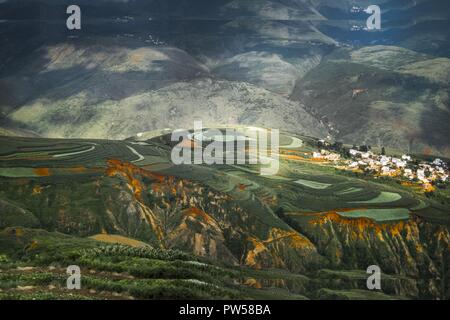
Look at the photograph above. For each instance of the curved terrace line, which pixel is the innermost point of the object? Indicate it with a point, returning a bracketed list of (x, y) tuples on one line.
[(140, 156), (74, 153)]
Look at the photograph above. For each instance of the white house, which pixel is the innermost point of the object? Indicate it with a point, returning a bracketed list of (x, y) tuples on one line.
[(399, 163), (438, 162), (385, 170), (406, 157), (385, 160), (408, 173), (353, 164)]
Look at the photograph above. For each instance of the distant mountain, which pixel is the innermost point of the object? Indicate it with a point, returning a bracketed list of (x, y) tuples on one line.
[(108, 91), (382, 96), (287, 53)]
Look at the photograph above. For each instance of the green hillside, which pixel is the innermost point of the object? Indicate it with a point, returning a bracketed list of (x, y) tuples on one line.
[(270, 236)]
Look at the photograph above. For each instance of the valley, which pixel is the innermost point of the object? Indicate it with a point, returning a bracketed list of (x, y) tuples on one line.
[(87, 176), (273, 233)]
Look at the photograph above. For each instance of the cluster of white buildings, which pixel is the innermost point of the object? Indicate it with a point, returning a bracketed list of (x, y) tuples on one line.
[(435, 171), (380, 163), (383, 165), (326, 155), (405, 166)]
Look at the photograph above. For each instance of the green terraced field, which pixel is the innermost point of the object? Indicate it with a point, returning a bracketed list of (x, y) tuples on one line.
[(304, 187), (378, 214), (349, 190), (384, 197), (71, 187), (313, 184)]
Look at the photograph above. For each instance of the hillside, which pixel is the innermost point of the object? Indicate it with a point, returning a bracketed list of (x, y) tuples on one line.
[(382, 96), (112, 92), (120, 272), (307, 220)]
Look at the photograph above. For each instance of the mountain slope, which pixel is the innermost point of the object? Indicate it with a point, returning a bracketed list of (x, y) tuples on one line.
[(382, 96), (388, 87), (87, 188), (175, 106)]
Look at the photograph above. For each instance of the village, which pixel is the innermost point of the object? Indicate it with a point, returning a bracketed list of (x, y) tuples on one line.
[(428, 174)]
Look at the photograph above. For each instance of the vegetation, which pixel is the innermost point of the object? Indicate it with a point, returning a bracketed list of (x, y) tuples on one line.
[(204, 232)]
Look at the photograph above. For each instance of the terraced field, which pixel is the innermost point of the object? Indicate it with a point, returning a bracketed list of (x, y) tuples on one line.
[(268, 235), (302, 182), (300, 186), (378, 214), (313, 184)]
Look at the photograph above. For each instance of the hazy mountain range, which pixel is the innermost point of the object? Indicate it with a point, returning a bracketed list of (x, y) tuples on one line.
[(290, 64)]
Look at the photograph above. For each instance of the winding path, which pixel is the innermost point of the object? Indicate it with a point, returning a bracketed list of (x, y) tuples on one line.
[(141, 157), (74, 153)]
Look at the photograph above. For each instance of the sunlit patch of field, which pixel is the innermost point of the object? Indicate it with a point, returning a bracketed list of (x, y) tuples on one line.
[(276, 177), (290, 142), (422, 205), (377, 214), (118, 239), (350, 190), (383, 197), (17, 172), (313, 184)]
